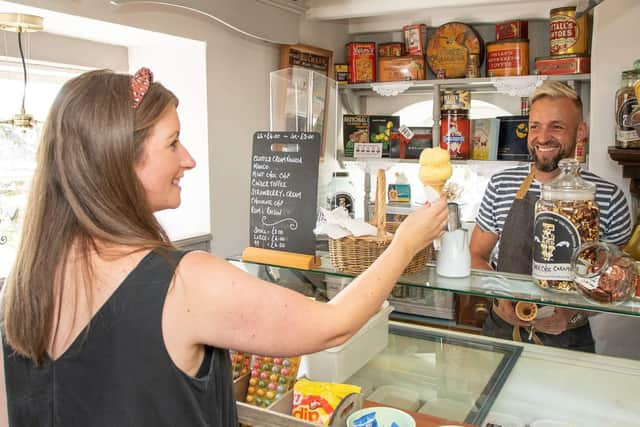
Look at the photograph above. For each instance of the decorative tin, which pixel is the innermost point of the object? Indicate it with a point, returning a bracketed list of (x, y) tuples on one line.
[(455, 99), (563, 64), (508, 58), (415, 39), (455, 133), (389, 49), (362, 62), (473, 66), (567, 34), (400, 68), (516, 29), (512, 138), (342, 73), (449, 47)]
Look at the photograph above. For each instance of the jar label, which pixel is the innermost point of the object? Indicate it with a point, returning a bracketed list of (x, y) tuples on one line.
[(555, 239), (588, 282)]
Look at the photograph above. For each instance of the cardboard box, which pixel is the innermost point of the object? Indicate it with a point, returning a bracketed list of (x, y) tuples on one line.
[(355, 129)]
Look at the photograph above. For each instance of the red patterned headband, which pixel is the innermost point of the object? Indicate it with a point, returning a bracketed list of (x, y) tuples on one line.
[(140, 83)]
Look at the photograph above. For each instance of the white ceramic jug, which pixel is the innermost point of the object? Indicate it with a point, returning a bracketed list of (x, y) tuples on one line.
[(454, 259)]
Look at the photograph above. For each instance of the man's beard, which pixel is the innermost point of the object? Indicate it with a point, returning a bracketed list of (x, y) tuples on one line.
[(546, 165)]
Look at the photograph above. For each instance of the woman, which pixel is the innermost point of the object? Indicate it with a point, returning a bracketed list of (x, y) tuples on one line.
[(104, 322)]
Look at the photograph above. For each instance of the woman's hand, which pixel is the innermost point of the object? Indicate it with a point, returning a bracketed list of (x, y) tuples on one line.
[(423, 226)]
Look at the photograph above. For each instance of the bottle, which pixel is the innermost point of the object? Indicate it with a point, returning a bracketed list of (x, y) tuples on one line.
[(340, 192), (566, 216), (626, 136)]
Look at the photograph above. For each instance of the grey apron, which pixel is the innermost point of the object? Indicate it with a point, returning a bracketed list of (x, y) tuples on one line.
[(514, 256)]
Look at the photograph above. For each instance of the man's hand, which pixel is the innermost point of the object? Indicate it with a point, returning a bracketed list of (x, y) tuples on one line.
[(506, 311), (557, 323)]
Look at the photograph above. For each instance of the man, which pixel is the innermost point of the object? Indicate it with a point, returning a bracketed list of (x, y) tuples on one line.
[(506, 215)]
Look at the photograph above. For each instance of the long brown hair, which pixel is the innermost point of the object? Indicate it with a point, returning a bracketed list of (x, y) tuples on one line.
[(84, 190)]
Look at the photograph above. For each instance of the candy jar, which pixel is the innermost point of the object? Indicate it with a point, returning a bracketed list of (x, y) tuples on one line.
[(604, 273), (566, 216)]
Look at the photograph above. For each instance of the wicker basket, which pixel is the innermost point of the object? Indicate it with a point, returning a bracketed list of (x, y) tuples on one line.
[(353, 254)]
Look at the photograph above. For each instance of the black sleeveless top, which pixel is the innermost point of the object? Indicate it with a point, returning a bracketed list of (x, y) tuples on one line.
[(118, 372)]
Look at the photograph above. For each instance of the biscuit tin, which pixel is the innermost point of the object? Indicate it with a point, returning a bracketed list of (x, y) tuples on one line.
[(390, 49), (400, 68), (415, 39), (567, 34), (515, 29), (449, 47), (362, 62), (508, 58), (563, 64)]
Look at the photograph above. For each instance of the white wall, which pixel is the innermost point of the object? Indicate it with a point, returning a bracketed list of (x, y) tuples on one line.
[(614, 48), (193, 216), (237, 90)]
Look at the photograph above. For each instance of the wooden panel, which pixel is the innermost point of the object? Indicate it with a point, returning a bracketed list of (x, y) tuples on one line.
[(471, 311)]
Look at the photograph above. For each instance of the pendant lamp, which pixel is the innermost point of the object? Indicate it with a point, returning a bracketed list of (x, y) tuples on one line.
[(21, 23)]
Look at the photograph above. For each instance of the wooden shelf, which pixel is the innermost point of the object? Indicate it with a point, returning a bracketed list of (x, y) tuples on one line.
[(629, 158)]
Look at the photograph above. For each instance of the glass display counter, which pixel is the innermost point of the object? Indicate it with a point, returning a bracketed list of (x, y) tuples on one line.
[(468, 379)]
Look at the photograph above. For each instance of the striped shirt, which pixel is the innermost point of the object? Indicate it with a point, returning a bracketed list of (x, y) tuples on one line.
[(615, 220)]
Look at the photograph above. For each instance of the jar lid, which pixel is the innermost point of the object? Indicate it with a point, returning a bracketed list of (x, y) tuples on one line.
[(569, 185), (631, 74)]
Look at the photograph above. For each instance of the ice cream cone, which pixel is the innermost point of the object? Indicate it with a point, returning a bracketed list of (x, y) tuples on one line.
[(438, 186)]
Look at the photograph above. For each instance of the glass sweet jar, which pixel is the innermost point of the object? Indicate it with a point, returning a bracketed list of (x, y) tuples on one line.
[(604, 274), (566, 217)]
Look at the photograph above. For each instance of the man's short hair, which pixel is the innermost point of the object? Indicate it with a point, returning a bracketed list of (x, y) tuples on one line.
[(557, 89)]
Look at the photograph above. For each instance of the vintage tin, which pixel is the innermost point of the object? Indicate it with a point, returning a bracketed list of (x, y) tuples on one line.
[(512, 138), (342, 73), (473, 66), (392, 68), (455, 99), (563, 64), (415, 39), (568, 35), (449, 47), (361, 57), (455, 133), (516, 29), (508, 58), (390, 49)]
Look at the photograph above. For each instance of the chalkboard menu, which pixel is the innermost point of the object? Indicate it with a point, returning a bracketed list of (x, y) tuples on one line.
[(284, 187)]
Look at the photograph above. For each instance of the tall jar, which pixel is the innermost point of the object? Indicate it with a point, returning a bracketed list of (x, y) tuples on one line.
[(566, 216), (626, 136)]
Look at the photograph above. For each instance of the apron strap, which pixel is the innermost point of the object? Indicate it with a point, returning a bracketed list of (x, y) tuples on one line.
[(524, 188), (515, 335)]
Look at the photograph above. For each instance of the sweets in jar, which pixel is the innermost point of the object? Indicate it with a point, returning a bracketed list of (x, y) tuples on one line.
[(604, 274), (566, 216), (271, 377)]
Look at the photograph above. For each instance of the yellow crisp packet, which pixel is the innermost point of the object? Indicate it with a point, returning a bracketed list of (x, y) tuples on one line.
[(316, 401)]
